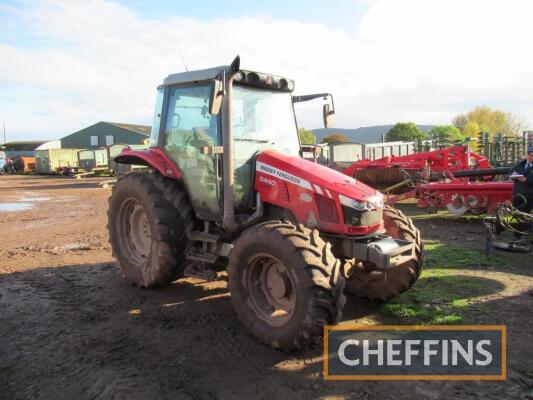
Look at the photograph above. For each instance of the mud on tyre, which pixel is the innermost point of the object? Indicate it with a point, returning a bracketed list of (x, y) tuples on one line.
[(148, 220), (364, 280), (285, 284)]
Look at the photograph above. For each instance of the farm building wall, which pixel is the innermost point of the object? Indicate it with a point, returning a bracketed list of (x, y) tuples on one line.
[(100, 135)]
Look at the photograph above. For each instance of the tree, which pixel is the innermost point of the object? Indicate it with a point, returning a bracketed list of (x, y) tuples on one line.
[(460, 122), (335, 137), (445, 134), (306, 137), (471, 129), (404, 131), (489, 120)]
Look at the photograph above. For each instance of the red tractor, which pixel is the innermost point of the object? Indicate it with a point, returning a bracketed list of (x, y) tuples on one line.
[(227, 188)]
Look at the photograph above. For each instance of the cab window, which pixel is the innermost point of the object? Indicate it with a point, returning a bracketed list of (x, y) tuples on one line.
[(189, 129)]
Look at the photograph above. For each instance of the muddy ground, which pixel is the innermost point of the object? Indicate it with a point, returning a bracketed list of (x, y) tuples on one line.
[(72, 328)]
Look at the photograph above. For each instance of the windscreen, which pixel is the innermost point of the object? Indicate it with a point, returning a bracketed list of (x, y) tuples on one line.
[(265, 119), (261, 120)]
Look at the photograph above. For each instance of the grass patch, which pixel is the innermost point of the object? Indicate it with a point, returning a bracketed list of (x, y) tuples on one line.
[(441, 296), (445, 215), (449, 256)]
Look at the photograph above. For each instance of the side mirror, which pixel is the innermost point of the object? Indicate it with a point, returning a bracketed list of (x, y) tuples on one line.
[(215, 97), (329, 116)]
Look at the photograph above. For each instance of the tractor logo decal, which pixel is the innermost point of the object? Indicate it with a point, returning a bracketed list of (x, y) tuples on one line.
[(306, 197), (267, 181), (269, 170)]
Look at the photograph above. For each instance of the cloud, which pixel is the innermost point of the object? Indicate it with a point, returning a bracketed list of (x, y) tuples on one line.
[(417, 60)]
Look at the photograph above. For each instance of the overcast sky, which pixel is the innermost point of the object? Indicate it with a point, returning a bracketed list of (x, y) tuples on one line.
[(66, 64)]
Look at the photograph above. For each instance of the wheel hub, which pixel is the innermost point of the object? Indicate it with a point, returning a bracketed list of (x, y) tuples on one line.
[(140, 234), (278, 283), (271, 290), (136, 234)]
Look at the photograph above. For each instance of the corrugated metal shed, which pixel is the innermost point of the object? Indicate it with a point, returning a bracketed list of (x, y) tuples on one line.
[(103, 134), (373, 151), (350, 152), (345, 152)]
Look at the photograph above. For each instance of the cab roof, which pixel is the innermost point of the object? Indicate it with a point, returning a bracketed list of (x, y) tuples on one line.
[(194, 76), (242, 77)]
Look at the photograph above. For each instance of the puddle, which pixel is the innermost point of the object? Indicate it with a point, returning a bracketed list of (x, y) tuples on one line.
[(35, 199), (8, 207), (65, 198)]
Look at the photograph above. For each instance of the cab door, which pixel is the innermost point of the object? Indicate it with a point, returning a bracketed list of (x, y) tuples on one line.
[(188, 129)]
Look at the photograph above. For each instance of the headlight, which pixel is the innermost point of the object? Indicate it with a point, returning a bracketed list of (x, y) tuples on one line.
[(362, 213), (361, 205)]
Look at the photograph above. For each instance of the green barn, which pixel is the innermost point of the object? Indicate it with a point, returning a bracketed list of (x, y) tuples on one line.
[(103, 134)]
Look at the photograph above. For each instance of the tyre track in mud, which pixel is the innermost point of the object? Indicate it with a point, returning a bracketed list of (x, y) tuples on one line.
[(210, 335), (83, 337), (61, 347)]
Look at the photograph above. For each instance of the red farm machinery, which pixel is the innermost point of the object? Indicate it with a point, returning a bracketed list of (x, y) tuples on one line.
[(227, 188), (454, 178)]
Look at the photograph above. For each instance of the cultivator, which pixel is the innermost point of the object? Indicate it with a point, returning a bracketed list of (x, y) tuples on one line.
[(460, 196), (427, 166), (454, 178)]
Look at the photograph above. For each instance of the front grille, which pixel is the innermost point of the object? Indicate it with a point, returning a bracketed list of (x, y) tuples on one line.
[(327, 210), (284, 193), (362, 217)]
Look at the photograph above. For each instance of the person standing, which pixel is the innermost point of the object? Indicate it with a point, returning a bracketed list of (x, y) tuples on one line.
[(522, 174), (9, 166)]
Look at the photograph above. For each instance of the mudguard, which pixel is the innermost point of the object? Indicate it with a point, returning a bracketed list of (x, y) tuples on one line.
[(152, 157)]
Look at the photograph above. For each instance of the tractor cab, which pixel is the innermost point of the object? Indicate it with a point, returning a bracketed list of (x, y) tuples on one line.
[(200, 115)]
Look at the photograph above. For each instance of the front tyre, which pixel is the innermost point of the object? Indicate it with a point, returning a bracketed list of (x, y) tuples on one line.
[(285, 284), (364, 280)]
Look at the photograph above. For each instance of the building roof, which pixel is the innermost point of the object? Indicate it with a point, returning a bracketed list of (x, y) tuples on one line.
[(51, 144), (142, 129), (28, 145)]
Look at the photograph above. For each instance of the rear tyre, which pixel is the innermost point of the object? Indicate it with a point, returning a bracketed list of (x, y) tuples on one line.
[(364, 280), (285, 284), (148, 220)]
